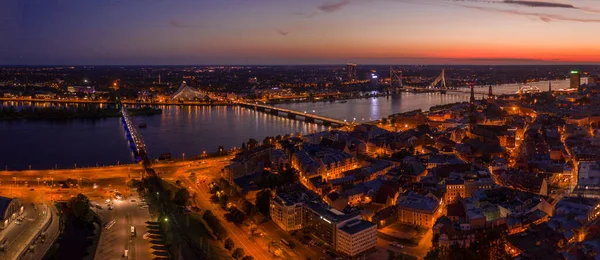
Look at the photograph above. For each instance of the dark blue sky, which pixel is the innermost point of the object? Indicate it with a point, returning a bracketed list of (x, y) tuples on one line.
[(132, 32)]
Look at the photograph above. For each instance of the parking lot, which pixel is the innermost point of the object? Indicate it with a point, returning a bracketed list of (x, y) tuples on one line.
[(118, 238)]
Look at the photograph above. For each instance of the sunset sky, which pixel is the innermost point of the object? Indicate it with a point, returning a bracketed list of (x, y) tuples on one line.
[(165, 32)]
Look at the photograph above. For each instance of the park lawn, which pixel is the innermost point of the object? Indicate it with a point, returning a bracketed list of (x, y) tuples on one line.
[(408, 228), (198, 232), (404, 241), (402, 233)]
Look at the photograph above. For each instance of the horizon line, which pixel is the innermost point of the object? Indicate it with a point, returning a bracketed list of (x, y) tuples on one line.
[(279, 65)]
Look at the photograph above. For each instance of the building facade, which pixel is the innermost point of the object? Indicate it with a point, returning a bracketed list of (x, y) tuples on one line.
[(575, 79), (418, 210), (345, 232), (454, 190), (356, 236), (10, 209), (286, 212), (351, 72)]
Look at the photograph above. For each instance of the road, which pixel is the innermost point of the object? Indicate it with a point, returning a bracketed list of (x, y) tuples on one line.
[(300, 251), (88, 176), (254, 246), (51, 235), (115, 240), (237, 234), (18, 236)]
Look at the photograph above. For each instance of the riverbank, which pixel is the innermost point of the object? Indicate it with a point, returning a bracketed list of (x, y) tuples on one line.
[(109, 102), (62, 113)]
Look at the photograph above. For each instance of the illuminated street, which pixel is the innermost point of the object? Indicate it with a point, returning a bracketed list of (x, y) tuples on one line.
[(117, 238), (18, 236)]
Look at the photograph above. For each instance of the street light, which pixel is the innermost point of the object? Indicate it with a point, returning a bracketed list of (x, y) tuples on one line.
[(38, 179), (183, 156)]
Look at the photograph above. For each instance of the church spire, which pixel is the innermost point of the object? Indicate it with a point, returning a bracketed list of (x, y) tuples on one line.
[(550, 86), (472, 100), (490, 93), (472, 110)]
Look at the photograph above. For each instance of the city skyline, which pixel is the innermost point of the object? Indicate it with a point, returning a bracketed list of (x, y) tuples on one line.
[(298, 32)]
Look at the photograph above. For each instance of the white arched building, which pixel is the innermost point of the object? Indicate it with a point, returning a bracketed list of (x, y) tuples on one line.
[(186, 92), (10, 209)]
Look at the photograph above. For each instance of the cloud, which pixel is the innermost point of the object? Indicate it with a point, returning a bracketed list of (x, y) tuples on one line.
[(540, 16), (538, 4), (546, 17), (282, 33), (332, 7), (324, 8), (305, 15), (177, 24), (529, 3), (589, 10)]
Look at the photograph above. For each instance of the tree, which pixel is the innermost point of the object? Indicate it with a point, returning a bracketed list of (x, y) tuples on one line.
[(252, 143), (434, 254), (263, 201), (253, 229), (193, 177), (391, 255), (218, 230), (133, 183), (278, 252), (259, 218), (182, 196), (268, 140), (214, 189), (79, 206), (289, 174), (223, 199), (178, 182), (229, 244), (248, 257), (238, 253)]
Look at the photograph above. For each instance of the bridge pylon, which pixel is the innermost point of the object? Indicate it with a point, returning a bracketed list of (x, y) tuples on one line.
[(440, 78), (395, 79)]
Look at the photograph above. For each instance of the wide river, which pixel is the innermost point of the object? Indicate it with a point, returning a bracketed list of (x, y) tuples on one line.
[(191, 130)]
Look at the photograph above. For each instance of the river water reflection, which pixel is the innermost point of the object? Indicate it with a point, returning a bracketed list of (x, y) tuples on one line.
[(188, 130)]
